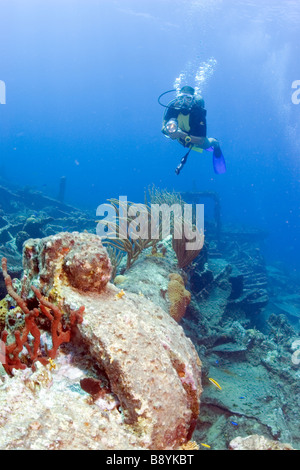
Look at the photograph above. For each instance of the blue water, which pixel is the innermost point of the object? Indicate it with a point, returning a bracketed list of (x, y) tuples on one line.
[(82, 79)]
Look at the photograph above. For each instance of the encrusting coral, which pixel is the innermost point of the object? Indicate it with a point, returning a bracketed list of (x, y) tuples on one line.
[(256, 442), (144, 355), (178, 295), (13, 359)]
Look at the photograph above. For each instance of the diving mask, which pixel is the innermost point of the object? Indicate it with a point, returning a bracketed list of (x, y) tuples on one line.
[(185, 101)]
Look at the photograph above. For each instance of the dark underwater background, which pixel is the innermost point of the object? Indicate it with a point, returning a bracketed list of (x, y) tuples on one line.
[(82, 80)]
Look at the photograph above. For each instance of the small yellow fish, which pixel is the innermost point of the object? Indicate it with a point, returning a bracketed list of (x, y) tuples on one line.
[(205, 445), (215, 383), (52, 364), (120, 294)]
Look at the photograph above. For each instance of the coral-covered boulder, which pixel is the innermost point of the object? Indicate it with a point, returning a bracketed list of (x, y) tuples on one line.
[(256, 442), (152, 367), (79, 257)]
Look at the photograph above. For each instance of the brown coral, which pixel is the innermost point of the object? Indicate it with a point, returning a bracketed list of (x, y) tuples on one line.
[(78, 259), (87, 264), (178, 295)]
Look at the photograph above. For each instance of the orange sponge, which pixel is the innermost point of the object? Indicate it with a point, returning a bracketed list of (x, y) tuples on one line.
[(178, 295)]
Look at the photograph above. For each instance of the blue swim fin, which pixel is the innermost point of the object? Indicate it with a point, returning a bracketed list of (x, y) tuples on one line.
[(219, 164)]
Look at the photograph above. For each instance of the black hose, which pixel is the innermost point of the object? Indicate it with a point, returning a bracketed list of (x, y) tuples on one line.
[(160, 96), (182, 162)]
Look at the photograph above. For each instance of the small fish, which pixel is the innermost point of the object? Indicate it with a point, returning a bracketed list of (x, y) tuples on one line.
[(215, 383), (52, 364), (11, 307), (234, 423), (120, 294), (205, 445)]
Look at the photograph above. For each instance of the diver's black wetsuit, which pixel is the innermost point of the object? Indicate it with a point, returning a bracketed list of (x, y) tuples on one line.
[(197, 117)]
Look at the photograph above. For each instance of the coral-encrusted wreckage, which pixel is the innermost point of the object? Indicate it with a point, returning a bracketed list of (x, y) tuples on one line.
[(92, 367), (93, 355)]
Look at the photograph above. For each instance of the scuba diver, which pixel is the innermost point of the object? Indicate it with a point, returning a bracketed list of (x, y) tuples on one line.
[(185, 121)]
